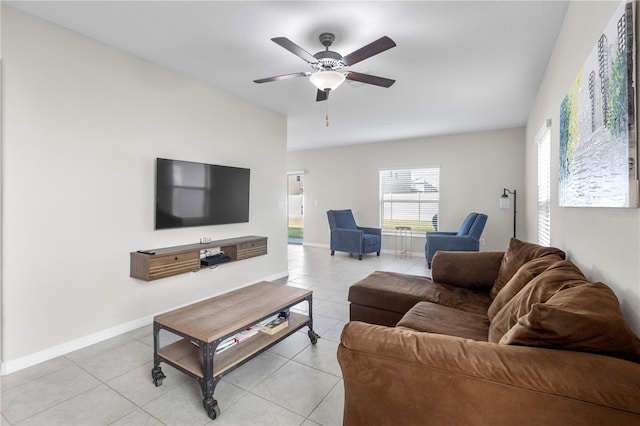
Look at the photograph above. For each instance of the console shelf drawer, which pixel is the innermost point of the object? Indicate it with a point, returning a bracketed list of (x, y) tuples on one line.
[(252, 249)]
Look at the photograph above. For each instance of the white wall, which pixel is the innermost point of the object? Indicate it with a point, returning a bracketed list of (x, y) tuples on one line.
[(474, 168), (83, 124), (604, 243)]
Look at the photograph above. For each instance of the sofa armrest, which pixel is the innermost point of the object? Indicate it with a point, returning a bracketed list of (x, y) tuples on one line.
[(398, 376), (473, 270)]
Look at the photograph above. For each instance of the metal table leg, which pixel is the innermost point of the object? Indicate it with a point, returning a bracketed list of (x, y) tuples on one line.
[(313, 336), (208, 383)]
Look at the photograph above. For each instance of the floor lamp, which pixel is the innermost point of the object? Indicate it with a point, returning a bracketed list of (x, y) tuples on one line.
[(504, 205)]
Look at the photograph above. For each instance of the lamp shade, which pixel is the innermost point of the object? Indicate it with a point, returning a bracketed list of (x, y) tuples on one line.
[(327, 80), (504, 202)]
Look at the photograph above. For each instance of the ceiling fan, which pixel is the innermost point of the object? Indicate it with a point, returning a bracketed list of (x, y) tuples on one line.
[(330, 68)]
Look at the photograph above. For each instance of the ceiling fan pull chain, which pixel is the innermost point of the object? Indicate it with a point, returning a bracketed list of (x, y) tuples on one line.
[(326, 116)]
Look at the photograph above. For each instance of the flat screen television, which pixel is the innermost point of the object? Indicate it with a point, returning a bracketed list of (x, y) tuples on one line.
[(198, 194)]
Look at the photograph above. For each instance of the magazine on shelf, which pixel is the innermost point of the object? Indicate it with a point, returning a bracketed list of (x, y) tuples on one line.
[(267, 321), (226, 344)]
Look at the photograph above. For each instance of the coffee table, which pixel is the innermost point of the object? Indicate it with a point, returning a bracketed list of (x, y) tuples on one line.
[(203, 325)]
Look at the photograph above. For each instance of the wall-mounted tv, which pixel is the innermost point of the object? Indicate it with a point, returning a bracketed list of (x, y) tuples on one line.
[(198, 194)]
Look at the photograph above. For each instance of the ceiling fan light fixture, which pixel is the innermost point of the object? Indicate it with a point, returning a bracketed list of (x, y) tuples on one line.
[(327, 80)]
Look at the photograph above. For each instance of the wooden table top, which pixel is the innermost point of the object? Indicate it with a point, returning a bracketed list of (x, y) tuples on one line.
[(222, 315)]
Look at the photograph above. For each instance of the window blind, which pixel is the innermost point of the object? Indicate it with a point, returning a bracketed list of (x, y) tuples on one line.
[(409, 197), (544, 186)]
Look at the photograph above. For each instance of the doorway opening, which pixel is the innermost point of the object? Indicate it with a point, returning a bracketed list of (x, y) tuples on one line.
[(296, 208)]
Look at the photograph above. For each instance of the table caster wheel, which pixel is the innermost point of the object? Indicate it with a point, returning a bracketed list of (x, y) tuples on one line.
[(157, 375), (313, 336), (211, 407)]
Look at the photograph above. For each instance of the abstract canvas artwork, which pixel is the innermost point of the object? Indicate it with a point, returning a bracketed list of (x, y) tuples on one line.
[(598, 145)]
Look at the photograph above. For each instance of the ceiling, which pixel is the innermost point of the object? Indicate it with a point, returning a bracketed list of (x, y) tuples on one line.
[(459, 66)]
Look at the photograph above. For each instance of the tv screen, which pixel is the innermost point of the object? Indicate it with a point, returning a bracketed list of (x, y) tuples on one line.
[(198, 194)]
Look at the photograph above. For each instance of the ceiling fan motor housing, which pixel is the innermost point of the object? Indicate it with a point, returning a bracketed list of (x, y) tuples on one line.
[(328, 61)]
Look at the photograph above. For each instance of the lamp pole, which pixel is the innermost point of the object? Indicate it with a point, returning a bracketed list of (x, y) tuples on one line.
[(505, 196)]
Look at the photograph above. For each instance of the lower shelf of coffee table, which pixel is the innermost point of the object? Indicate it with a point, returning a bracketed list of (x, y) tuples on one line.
[(188, 356)]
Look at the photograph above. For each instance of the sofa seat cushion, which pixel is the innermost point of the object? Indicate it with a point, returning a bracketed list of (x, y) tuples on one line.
[(397, 292), (518, 253), (433, 318), (586, 318), (562, 275)]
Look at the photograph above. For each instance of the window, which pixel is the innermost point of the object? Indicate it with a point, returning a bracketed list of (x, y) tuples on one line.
[(409, 197), (544, 185)]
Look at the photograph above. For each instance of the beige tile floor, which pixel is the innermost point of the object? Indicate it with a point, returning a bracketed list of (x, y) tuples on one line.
[(293, 383)]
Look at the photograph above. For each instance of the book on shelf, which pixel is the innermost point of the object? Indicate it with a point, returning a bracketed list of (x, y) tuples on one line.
[(275, 325), (246, 333)]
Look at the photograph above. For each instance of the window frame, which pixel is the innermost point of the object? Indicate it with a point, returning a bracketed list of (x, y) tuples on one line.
[(431, 198)]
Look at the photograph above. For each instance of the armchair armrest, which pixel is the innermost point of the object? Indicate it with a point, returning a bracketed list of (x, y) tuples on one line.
[(440, 241), (473, 270), (371, 231), (429, 234), (349, 240), (445, 242), (398, 376)]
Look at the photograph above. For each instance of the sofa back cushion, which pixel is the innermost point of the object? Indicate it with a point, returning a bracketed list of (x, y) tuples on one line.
[(518, 253), (585, 318), (526, 273), (475, 270), (561, 275)]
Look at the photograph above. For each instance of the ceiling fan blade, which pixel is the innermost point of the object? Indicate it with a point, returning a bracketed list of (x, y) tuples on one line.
[(370, 79), (373, 48), (295, 49), (322, 96), (281, 77)]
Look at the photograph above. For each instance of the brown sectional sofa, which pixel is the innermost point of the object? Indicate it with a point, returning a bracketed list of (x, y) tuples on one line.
[(494, 338)]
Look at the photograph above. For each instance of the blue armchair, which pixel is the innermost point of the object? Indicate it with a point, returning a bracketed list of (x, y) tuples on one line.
[(348, 237), (466, 239)]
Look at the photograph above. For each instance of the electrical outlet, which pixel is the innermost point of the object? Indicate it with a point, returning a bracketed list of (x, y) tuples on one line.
[(483, 242)]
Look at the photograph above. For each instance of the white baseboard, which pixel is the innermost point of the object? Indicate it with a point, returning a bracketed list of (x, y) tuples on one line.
[(316, 245), (12, 366), (385, 251)]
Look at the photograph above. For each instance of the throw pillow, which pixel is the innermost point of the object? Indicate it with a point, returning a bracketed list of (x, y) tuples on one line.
[(583, 318), (561, 275), (518, 253), (526, 273)]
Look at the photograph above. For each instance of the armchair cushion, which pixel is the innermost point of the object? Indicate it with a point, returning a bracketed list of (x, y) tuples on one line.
[(344, 219), (466, 225)]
